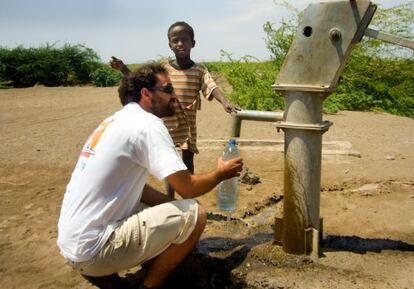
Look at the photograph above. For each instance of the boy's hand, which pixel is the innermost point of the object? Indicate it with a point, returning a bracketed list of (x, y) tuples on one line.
[(230, 108), (230, 168), (227, 105), (116, 63)]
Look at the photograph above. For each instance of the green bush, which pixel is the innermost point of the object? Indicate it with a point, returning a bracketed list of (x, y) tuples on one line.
[(18, 66), (251, 81), (3, 52), (82, 60), (376, 77), (47, 68), (377, 84), (47, 65), (106, 76)]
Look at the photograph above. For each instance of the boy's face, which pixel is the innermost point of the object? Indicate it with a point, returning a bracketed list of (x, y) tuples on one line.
[(180, 42)]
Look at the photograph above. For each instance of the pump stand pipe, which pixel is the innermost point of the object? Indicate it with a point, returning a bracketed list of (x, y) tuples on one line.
[(303, 130), (269, 116), (310, 72)]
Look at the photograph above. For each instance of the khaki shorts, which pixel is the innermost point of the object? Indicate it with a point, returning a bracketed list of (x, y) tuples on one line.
[(143, 236)]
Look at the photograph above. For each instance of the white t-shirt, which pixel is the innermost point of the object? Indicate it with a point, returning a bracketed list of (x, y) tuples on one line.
[(107, 182)]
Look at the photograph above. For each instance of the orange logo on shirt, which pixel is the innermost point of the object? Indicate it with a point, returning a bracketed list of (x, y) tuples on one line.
[(94, 138)]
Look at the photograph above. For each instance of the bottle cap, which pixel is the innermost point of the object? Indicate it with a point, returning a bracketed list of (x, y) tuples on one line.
[(232, 142)]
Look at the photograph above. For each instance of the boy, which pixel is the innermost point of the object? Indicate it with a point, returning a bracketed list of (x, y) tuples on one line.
[(188, 79)]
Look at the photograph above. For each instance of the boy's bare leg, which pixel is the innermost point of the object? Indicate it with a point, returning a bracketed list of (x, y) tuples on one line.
[(188, 159), (170, 189), (162, 266)]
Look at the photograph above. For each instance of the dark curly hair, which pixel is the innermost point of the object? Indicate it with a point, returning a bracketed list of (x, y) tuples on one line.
[(182, 24), (144, 76)]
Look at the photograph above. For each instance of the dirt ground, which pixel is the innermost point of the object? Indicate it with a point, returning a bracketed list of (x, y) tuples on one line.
[(367, 198)]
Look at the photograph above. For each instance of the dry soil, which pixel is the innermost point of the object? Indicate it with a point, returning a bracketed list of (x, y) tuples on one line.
[(367, 197)]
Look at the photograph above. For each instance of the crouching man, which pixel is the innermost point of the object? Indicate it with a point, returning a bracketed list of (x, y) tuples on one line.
[(104, 226)]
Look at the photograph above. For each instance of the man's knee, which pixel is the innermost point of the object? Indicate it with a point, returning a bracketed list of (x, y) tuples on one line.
[(201, 218)]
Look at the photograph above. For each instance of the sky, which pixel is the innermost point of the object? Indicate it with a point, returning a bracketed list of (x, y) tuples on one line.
[(136, 30)]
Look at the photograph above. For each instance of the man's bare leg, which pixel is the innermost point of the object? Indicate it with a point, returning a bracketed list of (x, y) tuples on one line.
[(162, 266)]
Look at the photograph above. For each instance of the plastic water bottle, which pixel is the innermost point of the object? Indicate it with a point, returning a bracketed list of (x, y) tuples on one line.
[(227, 192)]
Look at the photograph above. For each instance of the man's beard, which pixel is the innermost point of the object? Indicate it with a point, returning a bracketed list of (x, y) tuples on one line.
[(163, 111)]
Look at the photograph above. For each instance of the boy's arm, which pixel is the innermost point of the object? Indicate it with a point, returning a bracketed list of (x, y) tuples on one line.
[(227, 105), (118, 64)]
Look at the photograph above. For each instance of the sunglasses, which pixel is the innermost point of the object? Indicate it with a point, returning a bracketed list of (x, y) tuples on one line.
[(167, 89)]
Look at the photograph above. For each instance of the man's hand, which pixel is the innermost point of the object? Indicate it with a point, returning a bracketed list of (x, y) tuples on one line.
[(191, 186), (230, 168)]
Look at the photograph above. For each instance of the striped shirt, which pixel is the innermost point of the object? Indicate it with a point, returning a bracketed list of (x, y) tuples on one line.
[(188, 85)]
